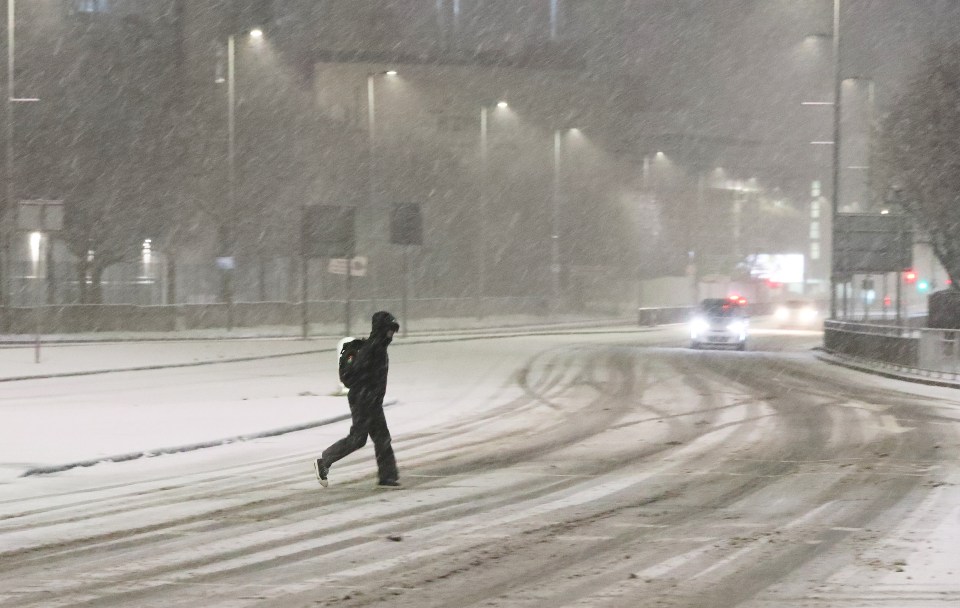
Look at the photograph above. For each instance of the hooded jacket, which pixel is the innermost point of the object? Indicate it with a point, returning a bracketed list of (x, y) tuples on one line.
[(372, 358)]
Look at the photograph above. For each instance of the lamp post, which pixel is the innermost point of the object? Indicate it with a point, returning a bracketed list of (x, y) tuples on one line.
[(226, 246), (8, 206), (372, 148), (482, 215), (555, 224), (481, 232), (8, 158), (556, 266), (225, 259), (834, 195)]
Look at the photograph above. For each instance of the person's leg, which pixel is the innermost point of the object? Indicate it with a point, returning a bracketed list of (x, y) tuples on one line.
[(382, 444), (355, 439)]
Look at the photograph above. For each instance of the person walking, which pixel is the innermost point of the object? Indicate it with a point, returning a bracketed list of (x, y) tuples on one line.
[(366, 406)]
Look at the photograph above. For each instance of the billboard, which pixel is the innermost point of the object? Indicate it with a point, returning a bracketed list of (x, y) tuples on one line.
[(777, 267)]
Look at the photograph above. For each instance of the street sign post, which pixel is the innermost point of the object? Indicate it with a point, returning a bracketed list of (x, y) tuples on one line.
[(327, 231), (41, 215), (357, 267), (869, 243)]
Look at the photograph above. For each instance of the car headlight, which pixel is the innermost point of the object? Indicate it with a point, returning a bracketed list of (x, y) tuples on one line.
[(781, 314), (699, 325)]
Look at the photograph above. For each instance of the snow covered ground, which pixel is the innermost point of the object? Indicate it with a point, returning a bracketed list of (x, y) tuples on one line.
[(64, 425), (605, 467)]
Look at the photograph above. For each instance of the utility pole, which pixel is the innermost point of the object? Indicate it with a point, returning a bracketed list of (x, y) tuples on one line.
[(835, 195)]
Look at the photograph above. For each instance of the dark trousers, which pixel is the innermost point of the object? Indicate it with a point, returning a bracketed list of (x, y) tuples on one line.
[(366, 412)]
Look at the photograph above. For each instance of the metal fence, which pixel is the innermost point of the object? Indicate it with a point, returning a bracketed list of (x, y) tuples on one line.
[(74, 318)]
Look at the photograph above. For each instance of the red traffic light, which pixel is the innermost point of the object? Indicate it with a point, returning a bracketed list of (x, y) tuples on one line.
[(910, 276)]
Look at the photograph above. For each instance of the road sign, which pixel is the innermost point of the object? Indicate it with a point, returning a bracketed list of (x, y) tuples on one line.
[(872, 243), (40, 216), (406, 224), (358, 266), (327, 231)]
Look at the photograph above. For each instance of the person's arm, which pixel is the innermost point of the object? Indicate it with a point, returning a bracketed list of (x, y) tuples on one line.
[(373, 350)]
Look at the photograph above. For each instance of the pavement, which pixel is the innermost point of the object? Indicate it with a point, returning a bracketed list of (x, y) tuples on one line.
[(24, 357), (54, 427)]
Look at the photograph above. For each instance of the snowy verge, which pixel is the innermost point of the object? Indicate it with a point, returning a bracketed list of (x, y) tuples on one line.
[(43, 470), (878, 369)]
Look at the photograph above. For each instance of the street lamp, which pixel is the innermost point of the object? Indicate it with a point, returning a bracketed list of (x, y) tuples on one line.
[(555, 264), (834, 195), (225, 259), (372, 142), (481, 228), (835, 161), (9, 202)]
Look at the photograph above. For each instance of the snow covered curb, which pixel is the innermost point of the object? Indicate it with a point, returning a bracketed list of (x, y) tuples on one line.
[(142, 368), (426, 338), (872, 367), (188, 448)]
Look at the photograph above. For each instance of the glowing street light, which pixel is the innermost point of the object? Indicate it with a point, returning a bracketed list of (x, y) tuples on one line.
[(482, 215), (555, 261), (226, 263)]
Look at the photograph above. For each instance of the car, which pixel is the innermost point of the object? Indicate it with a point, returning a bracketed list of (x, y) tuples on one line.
[(720, 322), (797, 314)]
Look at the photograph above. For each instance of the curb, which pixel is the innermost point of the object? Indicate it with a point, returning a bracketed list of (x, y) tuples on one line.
[(189, 447), (834, 359), (425, 339)]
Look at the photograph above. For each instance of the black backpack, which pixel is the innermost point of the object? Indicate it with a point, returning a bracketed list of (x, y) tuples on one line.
[(349, 373)]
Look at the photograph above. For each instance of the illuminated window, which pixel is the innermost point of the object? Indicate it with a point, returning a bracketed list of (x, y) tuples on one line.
[(815, 251), (814, 230), (91, 6), (815, 209)]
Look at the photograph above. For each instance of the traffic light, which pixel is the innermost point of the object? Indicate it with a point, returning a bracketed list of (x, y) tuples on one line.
[(923, 285), (910, 276)]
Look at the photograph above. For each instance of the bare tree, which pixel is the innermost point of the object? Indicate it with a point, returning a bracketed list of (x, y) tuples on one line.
[(919, 154)]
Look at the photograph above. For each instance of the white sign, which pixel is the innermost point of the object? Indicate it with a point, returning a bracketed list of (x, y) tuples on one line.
[(777, 267), (358, 266), (40, 216)]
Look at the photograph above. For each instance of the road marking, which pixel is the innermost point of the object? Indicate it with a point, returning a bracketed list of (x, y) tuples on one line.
[(673, 563), (889, 424), (755, 543), (386, 564)]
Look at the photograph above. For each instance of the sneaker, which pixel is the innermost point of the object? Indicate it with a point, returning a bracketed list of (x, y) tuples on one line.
[(389, 483), (321, 470)]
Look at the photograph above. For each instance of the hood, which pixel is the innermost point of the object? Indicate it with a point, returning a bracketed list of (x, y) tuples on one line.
[(383, 322)]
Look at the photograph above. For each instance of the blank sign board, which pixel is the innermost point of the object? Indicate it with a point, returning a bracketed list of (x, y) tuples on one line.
[(40, 216), (872, 243)]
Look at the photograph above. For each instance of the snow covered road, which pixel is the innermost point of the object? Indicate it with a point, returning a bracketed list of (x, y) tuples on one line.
[(606, 468)]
